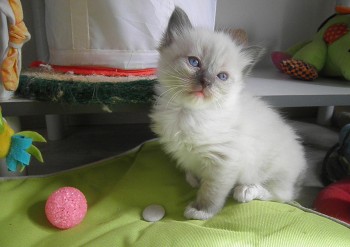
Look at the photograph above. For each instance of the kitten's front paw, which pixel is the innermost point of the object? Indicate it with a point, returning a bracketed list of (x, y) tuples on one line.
[(192, 212), (247, 193)]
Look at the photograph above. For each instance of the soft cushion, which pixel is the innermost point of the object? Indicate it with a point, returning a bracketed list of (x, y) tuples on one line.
[(334, 200), (120, 188)]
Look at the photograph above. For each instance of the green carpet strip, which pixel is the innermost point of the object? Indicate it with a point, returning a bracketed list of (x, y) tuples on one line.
[(75, 92)]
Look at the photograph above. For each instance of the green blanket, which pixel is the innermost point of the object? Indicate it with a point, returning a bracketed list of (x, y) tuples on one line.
[(117, 191)]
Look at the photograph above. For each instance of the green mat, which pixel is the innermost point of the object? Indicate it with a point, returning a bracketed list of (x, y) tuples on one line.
[(75, 89), (118, 189)]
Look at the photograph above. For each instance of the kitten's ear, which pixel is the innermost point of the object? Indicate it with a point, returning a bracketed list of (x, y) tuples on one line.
[(239, 36), (252, 54), (178, 22)]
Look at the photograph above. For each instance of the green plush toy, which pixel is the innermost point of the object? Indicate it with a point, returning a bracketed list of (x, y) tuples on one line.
[(327, 54)]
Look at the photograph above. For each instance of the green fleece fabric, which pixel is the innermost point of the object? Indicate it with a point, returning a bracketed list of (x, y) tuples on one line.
[(117, 191), (72, 92)]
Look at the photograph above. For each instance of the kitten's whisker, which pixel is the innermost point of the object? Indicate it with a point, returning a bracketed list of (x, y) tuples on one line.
[(171, 88), (165, 92), (173, 68), (184, 79), (172, 81), (168, 91), (173, 97)]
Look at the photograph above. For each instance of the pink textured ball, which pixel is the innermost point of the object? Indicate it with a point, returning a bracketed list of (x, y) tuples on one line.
[(66, 207)]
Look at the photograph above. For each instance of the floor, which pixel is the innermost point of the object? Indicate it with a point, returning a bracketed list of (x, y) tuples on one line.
[(86, 144)]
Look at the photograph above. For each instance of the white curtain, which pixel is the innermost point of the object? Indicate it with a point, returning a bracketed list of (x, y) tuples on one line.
[(115, 33)]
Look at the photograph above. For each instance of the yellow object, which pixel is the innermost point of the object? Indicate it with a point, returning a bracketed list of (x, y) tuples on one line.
[(5, 138), (18, 35)]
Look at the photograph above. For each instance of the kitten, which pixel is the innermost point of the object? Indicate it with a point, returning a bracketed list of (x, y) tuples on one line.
[(224, 139)]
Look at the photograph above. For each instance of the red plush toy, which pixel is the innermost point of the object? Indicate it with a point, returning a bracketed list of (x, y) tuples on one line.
[(334, 200)]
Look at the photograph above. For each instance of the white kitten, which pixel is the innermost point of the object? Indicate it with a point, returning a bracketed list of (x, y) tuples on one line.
[(222, 137)]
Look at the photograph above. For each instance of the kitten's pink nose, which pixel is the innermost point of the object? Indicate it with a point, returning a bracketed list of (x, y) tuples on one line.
[(199, 94), (198, 90), (198, 87)]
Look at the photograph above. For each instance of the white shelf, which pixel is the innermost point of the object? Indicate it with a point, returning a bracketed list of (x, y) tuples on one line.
[(282, 91), (274, 87)]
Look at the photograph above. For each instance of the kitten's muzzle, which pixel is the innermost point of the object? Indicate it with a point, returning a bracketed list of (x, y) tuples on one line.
[(205, 83), (203, 80)]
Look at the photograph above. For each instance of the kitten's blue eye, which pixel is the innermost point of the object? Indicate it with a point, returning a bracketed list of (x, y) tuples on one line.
[(223, 76), (194, 61)]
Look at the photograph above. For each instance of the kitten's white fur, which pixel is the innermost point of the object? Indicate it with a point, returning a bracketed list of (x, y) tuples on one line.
[(223, 138)]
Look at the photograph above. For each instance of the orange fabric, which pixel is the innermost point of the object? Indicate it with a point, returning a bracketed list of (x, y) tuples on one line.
[(18, 34), (89, 70), (17, 9), (9, 71), (342, 10)]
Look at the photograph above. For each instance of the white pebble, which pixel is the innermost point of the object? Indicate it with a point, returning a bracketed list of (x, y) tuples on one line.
[(153, 213)]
